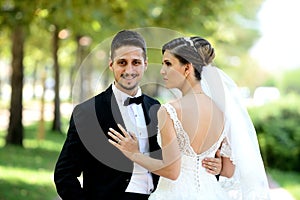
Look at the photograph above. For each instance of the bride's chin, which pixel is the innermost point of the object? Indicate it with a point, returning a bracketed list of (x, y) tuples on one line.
[(170, 86)]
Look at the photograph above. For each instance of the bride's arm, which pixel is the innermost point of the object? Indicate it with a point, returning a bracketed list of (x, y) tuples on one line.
[(228, 167), (169, 166)]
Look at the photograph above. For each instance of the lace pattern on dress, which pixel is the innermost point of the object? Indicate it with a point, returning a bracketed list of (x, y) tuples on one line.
[(182, 138), (225, 148)]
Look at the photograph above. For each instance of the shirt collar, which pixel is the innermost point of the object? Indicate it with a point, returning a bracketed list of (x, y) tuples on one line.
[(122, 96)]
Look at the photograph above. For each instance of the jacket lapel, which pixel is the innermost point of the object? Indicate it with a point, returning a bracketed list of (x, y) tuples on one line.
[(107, 110)]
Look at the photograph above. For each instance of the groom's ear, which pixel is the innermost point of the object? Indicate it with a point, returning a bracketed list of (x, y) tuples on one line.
[(110, 63), (146, 63)]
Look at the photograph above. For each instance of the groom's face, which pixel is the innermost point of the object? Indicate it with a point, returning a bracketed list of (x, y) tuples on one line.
[(128, 67)]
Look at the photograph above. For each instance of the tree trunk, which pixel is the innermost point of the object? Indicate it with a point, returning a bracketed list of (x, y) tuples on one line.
[(41, 128), (0, 88), (56, 121), (15, 128), (76, 67), (34, 79), (84, 89)]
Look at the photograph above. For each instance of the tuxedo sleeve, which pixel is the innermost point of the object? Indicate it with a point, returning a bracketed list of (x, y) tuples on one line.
[(69, 166)]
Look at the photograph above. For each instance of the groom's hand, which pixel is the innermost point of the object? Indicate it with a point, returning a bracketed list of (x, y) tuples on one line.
[(213, 165)]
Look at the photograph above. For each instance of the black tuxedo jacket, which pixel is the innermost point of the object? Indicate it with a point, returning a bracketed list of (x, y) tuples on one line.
[(106, 171)]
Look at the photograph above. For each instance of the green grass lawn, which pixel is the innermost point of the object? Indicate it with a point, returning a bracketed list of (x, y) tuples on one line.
[(27, 173)]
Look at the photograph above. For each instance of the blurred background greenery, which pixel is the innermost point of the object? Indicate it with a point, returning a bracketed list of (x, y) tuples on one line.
[(53, 55)]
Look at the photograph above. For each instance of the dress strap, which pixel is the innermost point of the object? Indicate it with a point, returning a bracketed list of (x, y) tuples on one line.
[(171, 111), (173, 115)]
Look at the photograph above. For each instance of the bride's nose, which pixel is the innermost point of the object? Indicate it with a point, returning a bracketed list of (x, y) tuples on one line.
[(162, 71)]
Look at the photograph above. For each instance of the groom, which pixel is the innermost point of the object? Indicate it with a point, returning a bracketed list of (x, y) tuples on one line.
[(107, 173)]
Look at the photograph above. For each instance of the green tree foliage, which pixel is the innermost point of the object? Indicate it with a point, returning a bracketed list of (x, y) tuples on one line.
[(229, 25), (278, 130), (290, 82)]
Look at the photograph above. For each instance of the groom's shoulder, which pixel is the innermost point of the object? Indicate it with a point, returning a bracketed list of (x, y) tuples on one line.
[(90, 103)]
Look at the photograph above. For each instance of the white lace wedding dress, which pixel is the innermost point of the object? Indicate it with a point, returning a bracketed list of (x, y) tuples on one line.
[(193, 183)]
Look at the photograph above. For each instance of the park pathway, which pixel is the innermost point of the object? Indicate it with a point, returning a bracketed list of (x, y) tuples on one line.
[(278, 193)]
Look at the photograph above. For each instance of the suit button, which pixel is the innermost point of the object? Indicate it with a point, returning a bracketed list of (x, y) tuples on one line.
[(127, 180)]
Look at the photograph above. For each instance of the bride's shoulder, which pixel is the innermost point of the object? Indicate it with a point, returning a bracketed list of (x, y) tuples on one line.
[(172, 103), (169, 108), (162, 115)]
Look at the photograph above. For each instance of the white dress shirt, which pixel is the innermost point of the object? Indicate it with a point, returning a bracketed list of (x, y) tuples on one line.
[(133, 116)]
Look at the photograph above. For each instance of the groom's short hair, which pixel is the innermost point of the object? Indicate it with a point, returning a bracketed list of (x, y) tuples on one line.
[(127, 38)]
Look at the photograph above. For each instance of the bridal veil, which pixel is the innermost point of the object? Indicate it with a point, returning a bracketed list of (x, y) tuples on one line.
[(249, 180)]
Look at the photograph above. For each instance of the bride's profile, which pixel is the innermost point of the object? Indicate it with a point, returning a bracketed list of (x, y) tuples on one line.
[(208, 116)]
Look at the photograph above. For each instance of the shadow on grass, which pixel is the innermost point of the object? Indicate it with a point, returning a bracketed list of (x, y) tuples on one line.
[(16, 190)]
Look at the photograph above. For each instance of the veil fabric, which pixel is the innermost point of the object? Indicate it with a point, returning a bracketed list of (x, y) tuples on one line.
[(249, 180)]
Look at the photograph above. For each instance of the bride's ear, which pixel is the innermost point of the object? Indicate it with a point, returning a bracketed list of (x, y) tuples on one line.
[(187, 69)]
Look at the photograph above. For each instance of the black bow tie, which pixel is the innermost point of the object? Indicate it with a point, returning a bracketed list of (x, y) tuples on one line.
[(136, 100)]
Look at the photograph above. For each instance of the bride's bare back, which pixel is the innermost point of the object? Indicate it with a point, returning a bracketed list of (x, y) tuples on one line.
[(201, 119)]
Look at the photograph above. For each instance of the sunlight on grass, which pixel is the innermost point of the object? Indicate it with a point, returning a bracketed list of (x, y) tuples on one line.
[(31, 176), (44, 144)]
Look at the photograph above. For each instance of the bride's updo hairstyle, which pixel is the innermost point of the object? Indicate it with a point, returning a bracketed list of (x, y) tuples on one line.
[(195, 50)]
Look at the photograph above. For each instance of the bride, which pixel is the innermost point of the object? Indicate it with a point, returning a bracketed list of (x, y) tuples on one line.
[(208, 115)]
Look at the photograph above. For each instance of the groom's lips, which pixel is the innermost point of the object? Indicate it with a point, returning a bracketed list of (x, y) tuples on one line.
[(129, 77)]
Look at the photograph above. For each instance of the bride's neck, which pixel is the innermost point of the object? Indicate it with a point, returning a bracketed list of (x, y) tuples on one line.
[(192, 89)]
